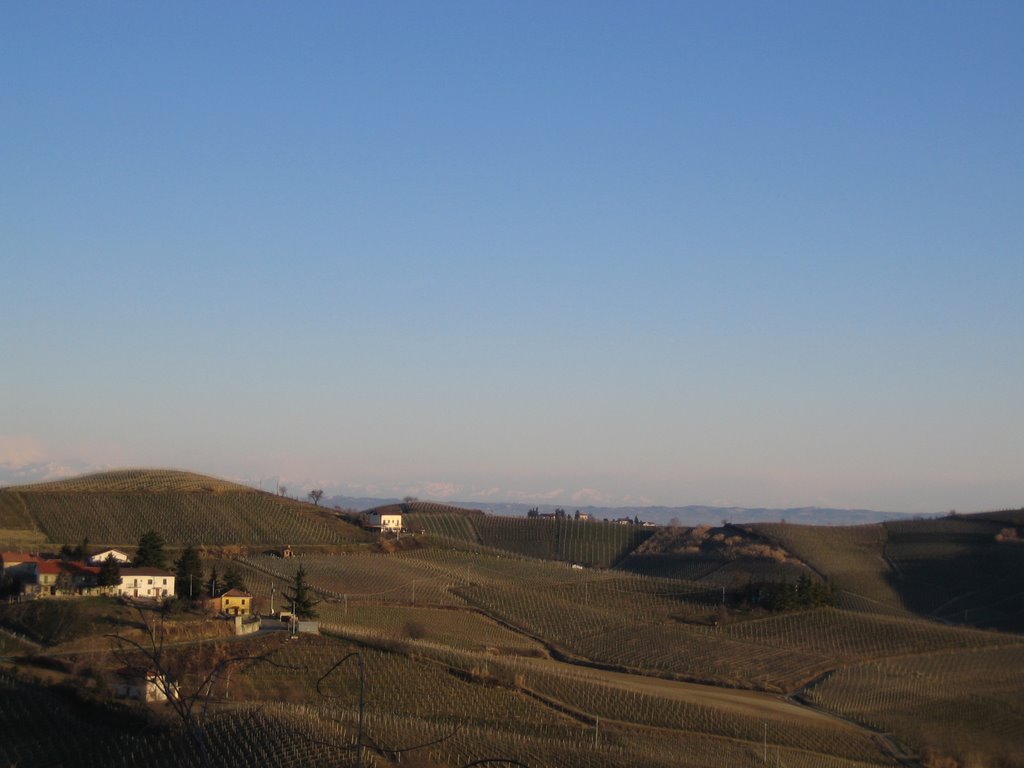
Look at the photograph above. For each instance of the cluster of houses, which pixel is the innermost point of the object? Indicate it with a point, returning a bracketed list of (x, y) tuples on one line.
[(35, 576), (38, 576)]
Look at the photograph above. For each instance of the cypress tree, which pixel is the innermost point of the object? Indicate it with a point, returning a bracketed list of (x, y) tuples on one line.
[(150, 552), (188, 572), (233, 579), (110, 573), (301, 596)]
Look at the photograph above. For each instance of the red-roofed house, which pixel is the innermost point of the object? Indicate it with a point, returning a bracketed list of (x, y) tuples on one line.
[(42, 577), (64, 577), (18, 564), (18, 570)]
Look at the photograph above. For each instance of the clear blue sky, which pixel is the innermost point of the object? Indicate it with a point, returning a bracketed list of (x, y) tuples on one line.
[(763, 254)]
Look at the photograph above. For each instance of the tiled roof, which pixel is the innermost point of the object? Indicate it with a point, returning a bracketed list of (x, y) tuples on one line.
[(145, 572), (18, 557), (235, 593), (68, 566)]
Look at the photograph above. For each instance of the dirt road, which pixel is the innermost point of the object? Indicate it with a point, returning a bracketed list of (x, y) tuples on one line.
[(752, 703)]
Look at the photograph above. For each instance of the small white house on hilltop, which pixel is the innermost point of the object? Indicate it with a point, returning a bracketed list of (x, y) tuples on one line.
[(385, 521)]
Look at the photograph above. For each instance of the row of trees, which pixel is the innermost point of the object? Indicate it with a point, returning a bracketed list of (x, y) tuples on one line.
[(189, 577), (804, 593), (315, 495), (561, 514)]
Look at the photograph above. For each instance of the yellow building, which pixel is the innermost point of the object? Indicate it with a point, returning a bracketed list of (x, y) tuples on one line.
[(235, 602)]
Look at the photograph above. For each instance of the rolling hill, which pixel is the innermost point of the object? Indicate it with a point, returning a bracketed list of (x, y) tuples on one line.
[(115, 508)]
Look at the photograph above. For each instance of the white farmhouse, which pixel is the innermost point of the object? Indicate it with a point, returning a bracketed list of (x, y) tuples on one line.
[(154, 583), (384, 521)]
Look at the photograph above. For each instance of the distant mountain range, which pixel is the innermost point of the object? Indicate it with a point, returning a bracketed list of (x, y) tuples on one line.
[(689, 515)]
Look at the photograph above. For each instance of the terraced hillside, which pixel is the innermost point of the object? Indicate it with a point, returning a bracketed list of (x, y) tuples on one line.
[(115, 508)]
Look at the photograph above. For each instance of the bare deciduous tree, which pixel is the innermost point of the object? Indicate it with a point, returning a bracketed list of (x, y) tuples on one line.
[(190, 703)]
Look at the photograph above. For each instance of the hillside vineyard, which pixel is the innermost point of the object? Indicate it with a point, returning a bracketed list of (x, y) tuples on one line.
[(463, 636)]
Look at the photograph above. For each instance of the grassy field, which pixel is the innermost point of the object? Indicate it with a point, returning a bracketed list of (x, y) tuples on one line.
[(12, 643)]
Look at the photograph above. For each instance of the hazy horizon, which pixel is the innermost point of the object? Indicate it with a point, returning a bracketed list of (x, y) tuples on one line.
[(573, 253), (42, 472)]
